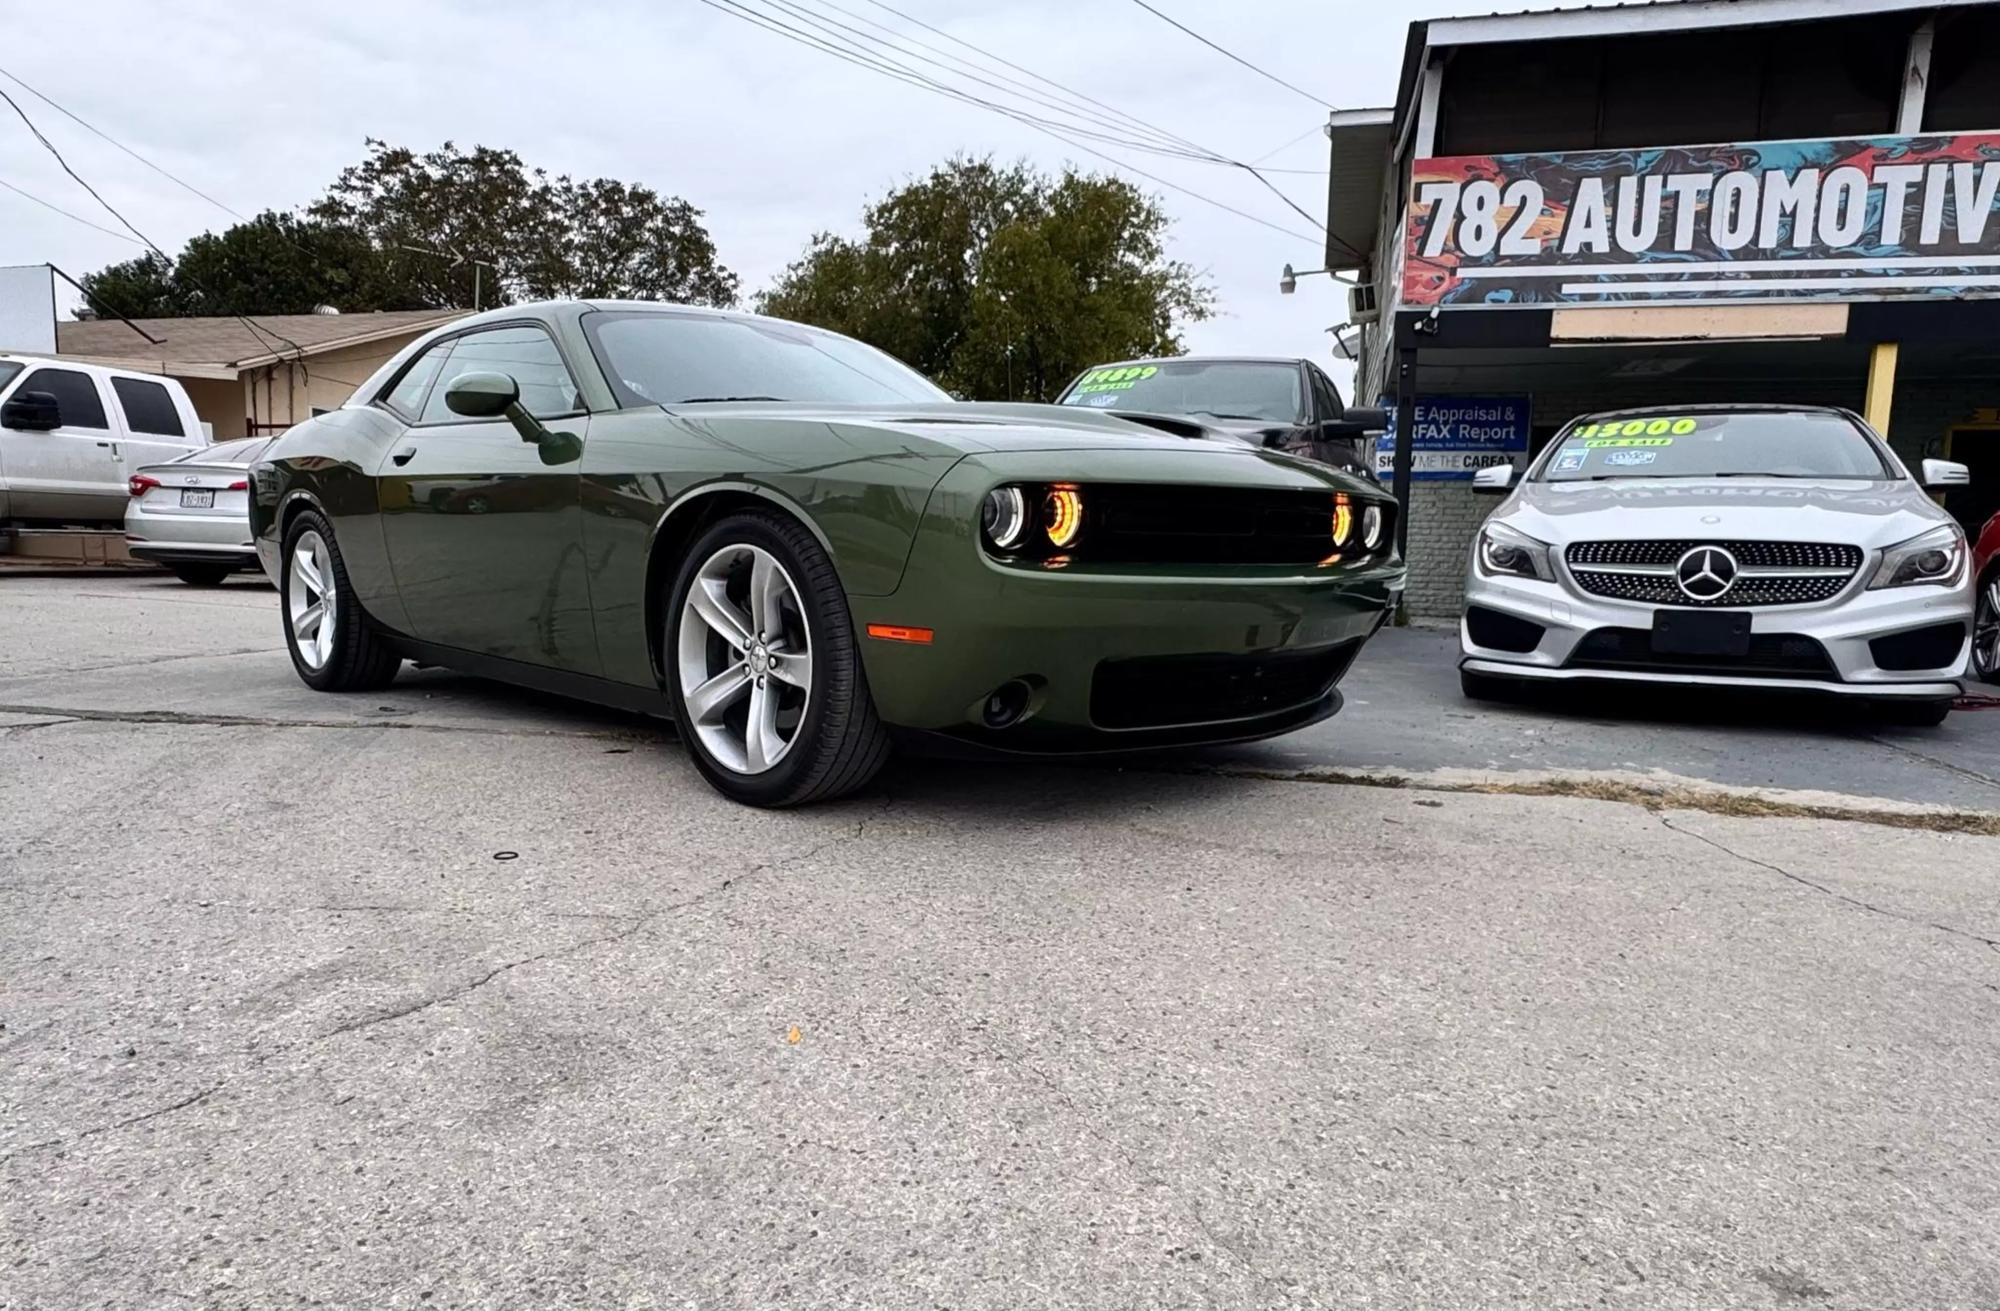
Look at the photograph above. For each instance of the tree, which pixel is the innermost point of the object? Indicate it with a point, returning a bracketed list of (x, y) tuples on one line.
[(406, 231), (141, 288), (540, 237), (1001, 282)]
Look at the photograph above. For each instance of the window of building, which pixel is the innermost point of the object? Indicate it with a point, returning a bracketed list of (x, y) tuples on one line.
[(1964, 90), (1840, 78), (75, 393), (149, 407)]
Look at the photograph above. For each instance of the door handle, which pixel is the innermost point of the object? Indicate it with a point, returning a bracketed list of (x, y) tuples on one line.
[(403, 457)]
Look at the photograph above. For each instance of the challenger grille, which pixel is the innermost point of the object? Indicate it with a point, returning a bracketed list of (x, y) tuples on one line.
[(1215, 525), (1771, 573)]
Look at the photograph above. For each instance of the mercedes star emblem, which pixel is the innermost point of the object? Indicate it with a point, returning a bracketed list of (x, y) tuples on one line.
[(1706, 572)]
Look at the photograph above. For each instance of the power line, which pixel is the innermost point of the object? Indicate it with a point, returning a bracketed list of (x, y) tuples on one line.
[(1211, 156), (766, 21), (1273, 77), (1314, 130), (834, 43), (66, 214), (1072, 102), (264, 334), (99, 132)]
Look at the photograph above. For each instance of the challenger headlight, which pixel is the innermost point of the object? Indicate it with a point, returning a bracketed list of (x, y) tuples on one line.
[(1371, 527), (1003, 517), (1936, 556), (1509, 551)]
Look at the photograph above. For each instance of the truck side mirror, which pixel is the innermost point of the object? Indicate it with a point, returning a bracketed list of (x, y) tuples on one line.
[(1366, 418), (31, 411)]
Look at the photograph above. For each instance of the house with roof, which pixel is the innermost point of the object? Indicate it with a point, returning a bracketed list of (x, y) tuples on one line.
[(254, 374)]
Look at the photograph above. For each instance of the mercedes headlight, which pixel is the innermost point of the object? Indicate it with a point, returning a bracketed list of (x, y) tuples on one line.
[(1937, 556), (1509, 551)]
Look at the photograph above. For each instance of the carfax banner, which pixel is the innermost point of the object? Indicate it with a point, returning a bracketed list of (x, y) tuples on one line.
[(1455, 436), (1863, 219)]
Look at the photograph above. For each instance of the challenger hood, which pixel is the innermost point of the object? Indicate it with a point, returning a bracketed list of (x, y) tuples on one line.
[(1865, 513), (973, 427)]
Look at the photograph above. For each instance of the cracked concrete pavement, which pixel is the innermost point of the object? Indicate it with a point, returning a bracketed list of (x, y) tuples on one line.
[(278, 1024)]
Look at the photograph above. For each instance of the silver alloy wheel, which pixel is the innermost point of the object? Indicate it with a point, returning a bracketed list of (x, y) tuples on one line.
[(1986, 631), (744, 658), (309, 599)]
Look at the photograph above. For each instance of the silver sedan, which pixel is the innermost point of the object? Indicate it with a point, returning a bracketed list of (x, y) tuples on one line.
[(193, 514)]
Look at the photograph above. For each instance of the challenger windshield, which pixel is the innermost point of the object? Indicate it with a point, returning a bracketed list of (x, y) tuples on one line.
[(673, 359), (1714, 444), (1216, 389)]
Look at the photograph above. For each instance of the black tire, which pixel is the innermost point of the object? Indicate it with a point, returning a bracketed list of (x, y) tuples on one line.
[(360, 661), (1920, 714), (840, 744), (1486, 687), (202, 575), (1986, 630)]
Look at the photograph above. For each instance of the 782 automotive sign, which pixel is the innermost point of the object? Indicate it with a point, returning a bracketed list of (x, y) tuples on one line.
[(1854, 219)]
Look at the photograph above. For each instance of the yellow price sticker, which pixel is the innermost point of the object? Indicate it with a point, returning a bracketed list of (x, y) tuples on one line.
[(1679, 426)]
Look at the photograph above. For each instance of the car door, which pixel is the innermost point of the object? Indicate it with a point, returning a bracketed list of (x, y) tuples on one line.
[(71, 473), (154, 432), (482, 527)]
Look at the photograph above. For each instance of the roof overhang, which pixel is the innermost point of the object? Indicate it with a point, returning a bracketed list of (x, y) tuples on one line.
[(1669, 16), (1357, 168), (341, 343), (165, 368)]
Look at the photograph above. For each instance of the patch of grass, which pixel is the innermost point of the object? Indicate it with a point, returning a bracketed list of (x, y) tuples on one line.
[(1715, 801)]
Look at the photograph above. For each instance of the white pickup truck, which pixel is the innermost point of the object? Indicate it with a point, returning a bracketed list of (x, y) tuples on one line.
[(71, 434)]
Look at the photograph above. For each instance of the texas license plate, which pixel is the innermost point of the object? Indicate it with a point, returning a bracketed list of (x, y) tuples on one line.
[(194, 500), (1701, 632)]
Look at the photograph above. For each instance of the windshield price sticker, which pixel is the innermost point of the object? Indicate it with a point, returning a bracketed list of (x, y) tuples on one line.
[(1626, 459), (1679, 427), (1605, 443), (1121, 379)]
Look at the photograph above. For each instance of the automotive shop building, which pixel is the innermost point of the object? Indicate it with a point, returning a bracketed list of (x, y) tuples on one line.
[(1672, 203)]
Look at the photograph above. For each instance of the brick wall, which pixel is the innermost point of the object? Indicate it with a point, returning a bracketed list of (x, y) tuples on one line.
[(1444, 516)]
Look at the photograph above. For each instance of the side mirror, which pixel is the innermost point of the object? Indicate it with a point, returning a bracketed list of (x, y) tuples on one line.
[(1946, 473), (1493, 480), (481, 395), (31, 411), (1365, 418)]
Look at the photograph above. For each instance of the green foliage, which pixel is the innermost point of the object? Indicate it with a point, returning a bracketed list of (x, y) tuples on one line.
[(1001, 283), (406, 231)]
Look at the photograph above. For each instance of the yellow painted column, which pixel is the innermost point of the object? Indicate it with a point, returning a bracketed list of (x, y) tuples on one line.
[(1881, 386)]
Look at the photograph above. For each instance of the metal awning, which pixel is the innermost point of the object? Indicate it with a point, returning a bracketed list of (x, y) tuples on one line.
[(1357, 171)]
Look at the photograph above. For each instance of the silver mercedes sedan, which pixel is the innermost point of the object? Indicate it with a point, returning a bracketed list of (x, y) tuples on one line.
[(1777, 547)]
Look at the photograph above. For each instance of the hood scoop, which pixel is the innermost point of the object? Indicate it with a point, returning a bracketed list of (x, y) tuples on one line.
[(1166, 423)]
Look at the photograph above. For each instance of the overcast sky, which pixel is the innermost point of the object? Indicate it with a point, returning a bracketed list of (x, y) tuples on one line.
[(260, 107)]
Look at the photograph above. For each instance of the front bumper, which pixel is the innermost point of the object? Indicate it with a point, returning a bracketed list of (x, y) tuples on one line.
[(1844, 628), (1117, 658)]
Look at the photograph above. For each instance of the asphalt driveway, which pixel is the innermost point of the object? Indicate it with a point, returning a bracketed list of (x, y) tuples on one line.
[(451, 996)]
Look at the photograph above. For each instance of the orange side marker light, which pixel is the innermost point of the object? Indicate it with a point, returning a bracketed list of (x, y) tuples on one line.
[(900, 633)]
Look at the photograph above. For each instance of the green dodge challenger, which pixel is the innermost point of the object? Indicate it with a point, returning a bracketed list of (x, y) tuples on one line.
[(801, 551)]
